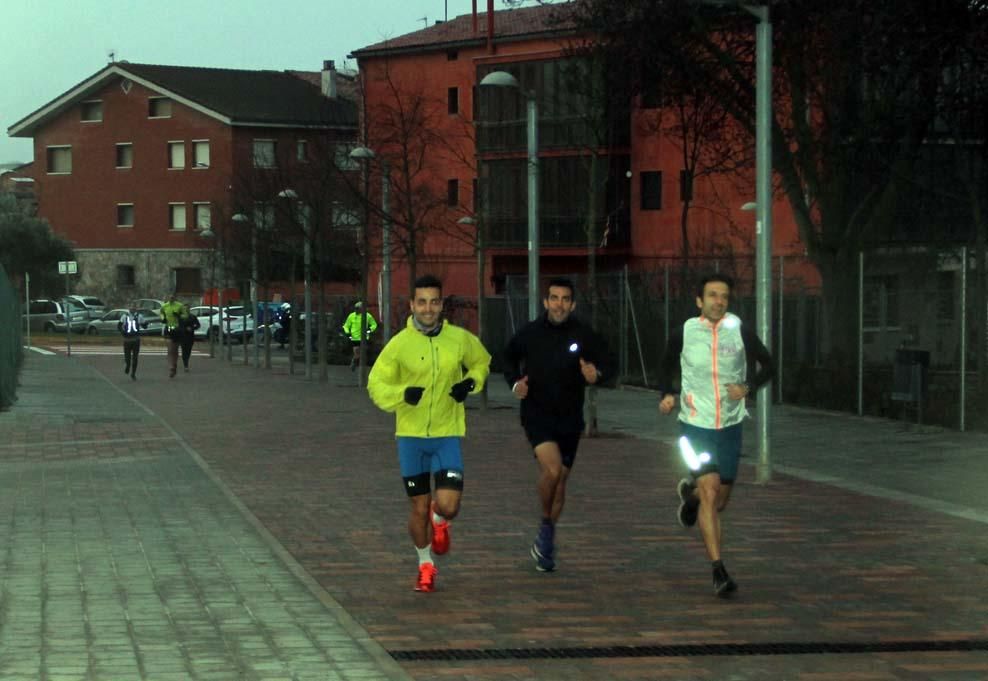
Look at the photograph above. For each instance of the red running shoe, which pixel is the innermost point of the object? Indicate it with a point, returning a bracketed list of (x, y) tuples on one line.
[(440, 534), (427, 578)]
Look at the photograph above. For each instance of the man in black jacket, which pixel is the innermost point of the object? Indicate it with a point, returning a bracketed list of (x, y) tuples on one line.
[(130, 325), (549, 362)]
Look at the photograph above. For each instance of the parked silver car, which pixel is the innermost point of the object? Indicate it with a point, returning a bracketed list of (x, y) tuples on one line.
[(49, 316), (151, 323), (92, 304)]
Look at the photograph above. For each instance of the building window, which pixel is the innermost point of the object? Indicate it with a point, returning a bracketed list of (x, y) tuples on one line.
[(159, 107), (263, 215), (176, 155), (341, 158), (187, 280), (264, 154), (125, 215), (176, 216), (302, 151), (452, 192), (200, 153), (881, 302), (946, 299), (651, 190), (91, 111), (203, 214), (59, 159), (125, 275), (125, 155), (685, 186), (345, 217), (453, 100)]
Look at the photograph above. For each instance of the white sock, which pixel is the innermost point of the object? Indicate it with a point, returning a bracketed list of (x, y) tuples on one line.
[(425, 554), (437, 519)]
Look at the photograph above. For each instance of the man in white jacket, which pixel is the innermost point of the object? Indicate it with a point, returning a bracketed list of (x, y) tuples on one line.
[(715, 356)]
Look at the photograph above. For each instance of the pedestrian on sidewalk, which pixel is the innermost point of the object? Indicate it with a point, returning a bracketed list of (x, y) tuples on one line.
[(130, 326), (172, 313), (187, 335), (720, 362), (548, 364), (420, 376), (351, 328)]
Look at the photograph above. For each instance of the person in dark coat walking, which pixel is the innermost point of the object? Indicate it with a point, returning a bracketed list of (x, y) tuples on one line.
[(130, 326), (187, 336)]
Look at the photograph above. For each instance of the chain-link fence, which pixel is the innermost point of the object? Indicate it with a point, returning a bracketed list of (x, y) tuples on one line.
[(11, 347), (913, 320)]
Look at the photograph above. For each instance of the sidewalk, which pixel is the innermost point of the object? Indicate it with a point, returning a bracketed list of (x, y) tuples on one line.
[(852, 579), (123, 558)]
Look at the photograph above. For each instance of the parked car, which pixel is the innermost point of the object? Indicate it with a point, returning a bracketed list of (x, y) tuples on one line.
[(45, 314), (236, 322), (106, 325), (208, 316), (152, 304), (94, 305)]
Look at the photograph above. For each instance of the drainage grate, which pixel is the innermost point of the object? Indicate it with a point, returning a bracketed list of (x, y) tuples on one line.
[(690, 650)]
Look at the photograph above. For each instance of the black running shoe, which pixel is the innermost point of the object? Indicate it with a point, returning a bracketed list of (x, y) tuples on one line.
[(685, 490), (686, 514), (724, 586)]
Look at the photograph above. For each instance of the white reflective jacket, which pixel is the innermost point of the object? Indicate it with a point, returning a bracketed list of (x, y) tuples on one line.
[(713, 356)]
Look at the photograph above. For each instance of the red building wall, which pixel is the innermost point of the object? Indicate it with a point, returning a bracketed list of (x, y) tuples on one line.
[(83, 205)]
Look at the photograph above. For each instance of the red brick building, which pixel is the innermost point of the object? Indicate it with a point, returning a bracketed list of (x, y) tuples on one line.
[(477, 162), (132, 163)]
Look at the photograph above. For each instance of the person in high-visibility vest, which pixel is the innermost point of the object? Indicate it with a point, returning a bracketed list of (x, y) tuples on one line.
[(173, 313), (351, 327)]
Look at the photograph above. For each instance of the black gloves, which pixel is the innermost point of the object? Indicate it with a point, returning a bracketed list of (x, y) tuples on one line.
[(413, 394), (460, 390)]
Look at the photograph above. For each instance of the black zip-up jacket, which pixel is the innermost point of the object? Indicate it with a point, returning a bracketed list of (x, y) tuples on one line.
[(550, 355)]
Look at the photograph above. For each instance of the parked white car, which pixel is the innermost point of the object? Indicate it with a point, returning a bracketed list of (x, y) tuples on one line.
[(95, 306)]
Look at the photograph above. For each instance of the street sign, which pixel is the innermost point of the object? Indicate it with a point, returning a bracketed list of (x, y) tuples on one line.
[(68, 267)]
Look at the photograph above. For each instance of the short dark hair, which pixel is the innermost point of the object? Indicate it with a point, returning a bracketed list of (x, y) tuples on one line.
[(427, 281), (714, 276), (562, 282)]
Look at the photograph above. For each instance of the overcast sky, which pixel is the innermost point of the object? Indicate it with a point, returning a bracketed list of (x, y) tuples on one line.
[(48, 46)]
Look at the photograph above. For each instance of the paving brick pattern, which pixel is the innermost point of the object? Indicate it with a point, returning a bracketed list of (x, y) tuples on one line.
[(315, 463)]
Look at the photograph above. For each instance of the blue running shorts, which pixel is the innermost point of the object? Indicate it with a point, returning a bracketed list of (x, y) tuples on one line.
[(723, 445)]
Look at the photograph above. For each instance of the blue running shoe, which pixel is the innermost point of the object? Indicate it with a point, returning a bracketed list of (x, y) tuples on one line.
[(543, 563)]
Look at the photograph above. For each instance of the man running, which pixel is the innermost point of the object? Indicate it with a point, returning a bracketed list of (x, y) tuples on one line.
[(423, 375), (548, 363), (715, 356)]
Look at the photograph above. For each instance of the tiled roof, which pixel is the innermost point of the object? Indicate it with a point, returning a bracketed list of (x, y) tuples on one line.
[(252, 96), (239, 97), (509, 23)]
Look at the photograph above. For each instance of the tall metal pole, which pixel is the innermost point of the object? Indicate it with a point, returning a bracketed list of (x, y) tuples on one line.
[(782, 329), (533, 207), (386, 249), (963, 339), (253, 293), (861, 333), (27, 305), (307, 272), (763, 229)]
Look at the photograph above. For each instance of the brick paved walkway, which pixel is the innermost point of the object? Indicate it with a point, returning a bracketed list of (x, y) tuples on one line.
[(315, 464)]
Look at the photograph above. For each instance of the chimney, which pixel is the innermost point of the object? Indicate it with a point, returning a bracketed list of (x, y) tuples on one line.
[(328, 80), (490, 26)]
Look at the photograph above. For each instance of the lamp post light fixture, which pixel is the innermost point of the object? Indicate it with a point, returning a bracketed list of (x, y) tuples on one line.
[(505, 79), (365, 155), (306, 281), (208, 233), (241, 218)]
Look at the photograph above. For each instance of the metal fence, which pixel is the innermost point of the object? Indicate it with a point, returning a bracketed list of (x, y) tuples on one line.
[(11, 346), (916, 331)]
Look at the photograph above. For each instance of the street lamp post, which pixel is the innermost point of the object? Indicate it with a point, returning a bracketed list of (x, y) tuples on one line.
[(241, 218), (208, 233), (505, 79), (364, 154), (306, 278)]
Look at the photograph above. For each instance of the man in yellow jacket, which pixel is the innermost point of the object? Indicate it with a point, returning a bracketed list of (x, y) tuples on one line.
[(423, 375), (173, 313), (352, 326)]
